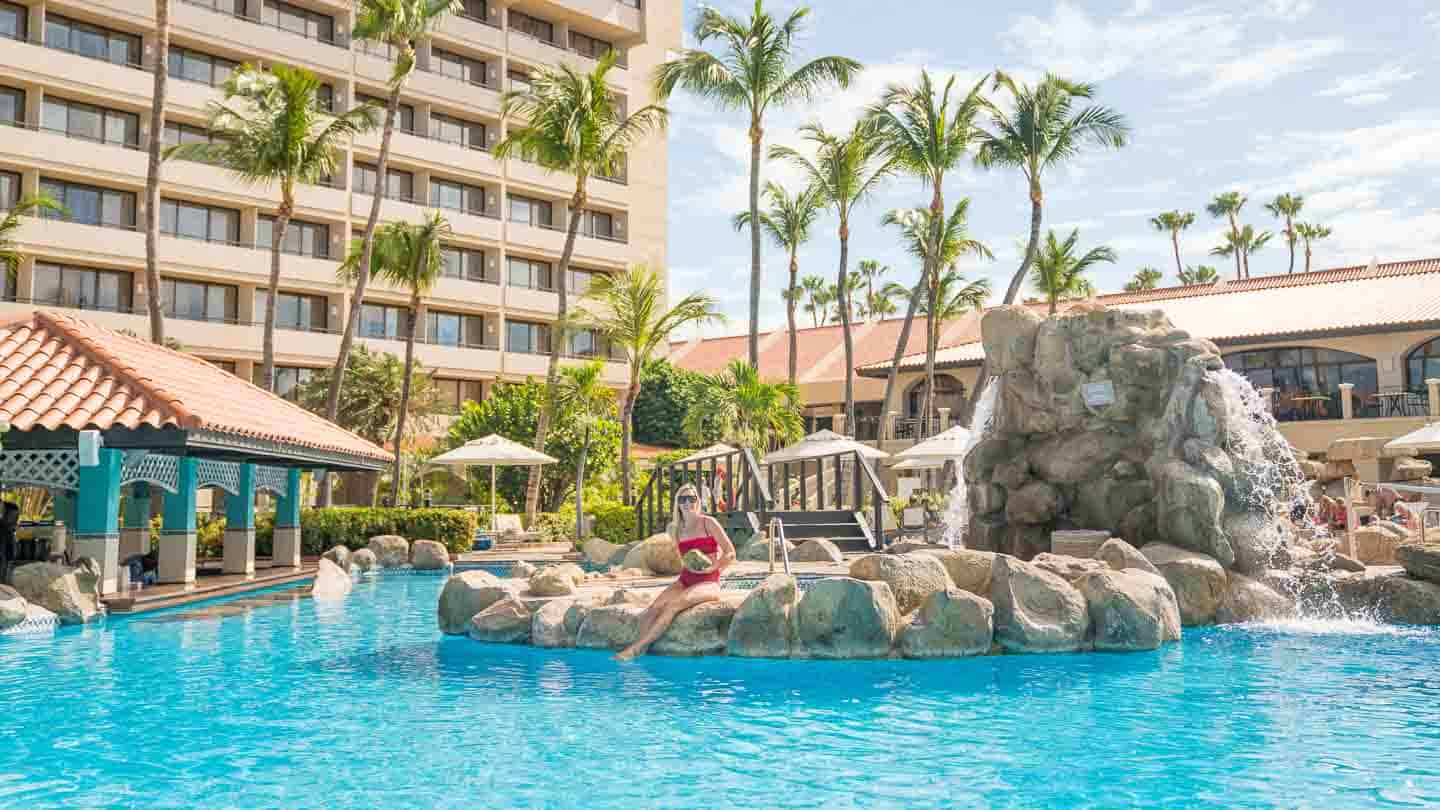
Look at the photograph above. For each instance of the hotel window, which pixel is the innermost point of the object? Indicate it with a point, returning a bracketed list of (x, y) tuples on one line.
[(305, 313), (9, 190), (379, 50), (519, 80), (457, 196), (453, 394), (382, 321), (532, 26), (177, 133), (65, 34), (89, 205), (592, 47), (530, 211), (598, 224), (1305, 372), (454, 329), (199, 301), (14, 21), (528, 273), (585, 343), (459, 67), (454, 130), (238, 8), (287, 379), (194, 66), (301, 238), (478, 10), (87, 122), (1423, 364), (399, 185), (325, 98), (527, 338), (227, 366), (580, 280), (463, 263), (206, 223), (298, 20), (12, 106), (82, 288), (404, 114)]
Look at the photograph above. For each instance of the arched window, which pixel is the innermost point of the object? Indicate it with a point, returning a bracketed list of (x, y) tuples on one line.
[(1423, 364), (1302, 375), (949, 393)]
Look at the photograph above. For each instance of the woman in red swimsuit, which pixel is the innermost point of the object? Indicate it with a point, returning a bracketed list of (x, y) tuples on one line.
[(692, 529)]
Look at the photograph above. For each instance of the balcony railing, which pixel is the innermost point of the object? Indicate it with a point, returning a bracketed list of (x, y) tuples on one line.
[(333, 40), (135, 145)]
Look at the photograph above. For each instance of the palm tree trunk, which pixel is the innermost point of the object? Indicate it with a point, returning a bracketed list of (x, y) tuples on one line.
[(627, 415), (844, 307), (790, 315), (755, 137), (1246, 254), (580, 487), (404, 397), (1036, 217), (1235, 240), (1175, 240), (557, 339), (929, 359), (277, 238), (1290, 240), (1307, 257), (161, 69), (900, 343)]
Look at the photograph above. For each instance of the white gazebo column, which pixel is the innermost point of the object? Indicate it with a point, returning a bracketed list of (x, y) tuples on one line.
[(177, 534), (1347, 400), (240, 526), (944, 419), (285, 551), (1434, 386)]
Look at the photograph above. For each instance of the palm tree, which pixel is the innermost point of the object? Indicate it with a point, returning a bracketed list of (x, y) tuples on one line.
[(160, 68), (867, 272), (882, 304), (1228, 205), (1146, 278), (752, 73), (10, 255), (1286, 207), (935, 245), (788, 221), (631, 314), (926, 136), (278, 134), (1310, 233), (582, 392), (406, 256), (1204, 274), (817, 296), (400, 25), (1241, 244), (946, 301), (749, 412), (572, 123), (1174, 222), (846, 170), (1061, 274)]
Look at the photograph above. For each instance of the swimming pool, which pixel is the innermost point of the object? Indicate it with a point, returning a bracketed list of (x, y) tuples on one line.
[(364, 704)]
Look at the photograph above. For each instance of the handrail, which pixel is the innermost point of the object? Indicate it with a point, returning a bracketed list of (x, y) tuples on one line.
[(778, 526)]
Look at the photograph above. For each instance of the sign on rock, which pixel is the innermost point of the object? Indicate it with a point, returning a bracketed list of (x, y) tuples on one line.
[(1099, 394)]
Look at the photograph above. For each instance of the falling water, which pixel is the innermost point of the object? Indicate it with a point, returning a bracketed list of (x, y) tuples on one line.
[(957, 511)]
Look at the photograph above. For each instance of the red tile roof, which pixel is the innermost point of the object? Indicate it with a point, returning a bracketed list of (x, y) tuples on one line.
[(57, 371)]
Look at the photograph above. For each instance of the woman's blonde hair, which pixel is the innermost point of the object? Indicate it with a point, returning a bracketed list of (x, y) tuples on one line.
[(677, 518)]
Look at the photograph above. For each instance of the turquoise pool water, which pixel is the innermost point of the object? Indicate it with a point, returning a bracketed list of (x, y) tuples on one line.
[(364, 704)]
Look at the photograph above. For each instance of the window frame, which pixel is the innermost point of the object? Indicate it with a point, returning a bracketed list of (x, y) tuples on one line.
[(124, 282), (67, 215), (230, 294)]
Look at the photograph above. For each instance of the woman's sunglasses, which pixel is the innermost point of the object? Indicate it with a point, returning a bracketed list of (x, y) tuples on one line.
[(685, 500)]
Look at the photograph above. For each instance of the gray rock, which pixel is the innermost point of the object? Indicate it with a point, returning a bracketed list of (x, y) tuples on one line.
[(847, 618), (1036, 503), (818, 550), (1255, 539), (464, 595), (69, 593), (340, 555), (908, 546), (13, 607), (548, 627), (506, 621), (1036, 611), (700, 630), (950, 624), (331, 582), (364, 560), (1198, 580), (911, 577), (1250, 600), (760, 551), (390, 550), (551, 581), (1130, 609), (428, 555), (1420, 561), (1189, 509), (521, 570), (598, 551), (657, 554), (1008, 334), (969, 569), (1067, 568), (1120, 555), (1076, 457), (610, 627), (763, 626)]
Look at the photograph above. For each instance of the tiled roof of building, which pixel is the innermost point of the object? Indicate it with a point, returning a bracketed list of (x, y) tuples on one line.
[(1348, 299), (57, 371)]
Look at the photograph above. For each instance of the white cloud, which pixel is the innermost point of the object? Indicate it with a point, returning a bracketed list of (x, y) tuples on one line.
[(1288, 10), (1140, 7), (1365, 89), (1258, 68)]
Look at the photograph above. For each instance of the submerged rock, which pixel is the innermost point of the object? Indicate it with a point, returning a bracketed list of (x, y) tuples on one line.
[(1035, 610), (331, 582), (846, 618), (911, 577), (950, 624), (1130, 609), (1198, 581), (763, 626)]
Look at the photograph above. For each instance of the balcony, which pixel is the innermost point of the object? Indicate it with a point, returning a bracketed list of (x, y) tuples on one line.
[(60, 152), (522, 364), (391, 209), (208, 180), (540, 178), (482, 97), (611, 191), (434, 153), (611, 250), (546, 240), (470, 31), (533, 301), (465, 292), (620, 19), (62, 70), (73, 241), (264, 41), (534, 51), (188, 96), (472, 226)]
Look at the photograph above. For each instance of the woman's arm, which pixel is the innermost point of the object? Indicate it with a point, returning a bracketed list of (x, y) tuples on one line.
[(727, 549)]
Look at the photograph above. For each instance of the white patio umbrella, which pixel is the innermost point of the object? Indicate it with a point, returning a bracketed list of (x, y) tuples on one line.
[(495, 451), (948, 444), (918, 464), (713, 451), (820, 444), (1424, 441)]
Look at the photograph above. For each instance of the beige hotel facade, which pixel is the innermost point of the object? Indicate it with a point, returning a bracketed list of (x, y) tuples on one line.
[(75, 87)]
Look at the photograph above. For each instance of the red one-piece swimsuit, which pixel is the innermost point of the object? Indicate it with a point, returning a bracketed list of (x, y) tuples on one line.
[(707, 544)]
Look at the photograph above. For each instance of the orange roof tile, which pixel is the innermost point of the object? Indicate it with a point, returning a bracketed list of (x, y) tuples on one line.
[(57, 371)]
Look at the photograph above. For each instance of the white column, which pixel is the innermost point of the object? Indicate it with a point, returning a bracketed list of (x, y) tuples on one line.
[(1347, 404), (1268, 394), (1434, 386), (944, 418)]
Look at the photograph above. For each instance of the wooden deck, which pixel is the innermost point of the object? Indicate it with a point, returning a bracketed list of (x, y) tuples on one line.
[(206, 586)]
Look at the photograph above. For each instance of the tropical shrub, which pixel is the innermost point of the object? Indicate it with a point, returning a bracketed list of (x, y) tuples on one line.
[(667, 393), (320, 529)]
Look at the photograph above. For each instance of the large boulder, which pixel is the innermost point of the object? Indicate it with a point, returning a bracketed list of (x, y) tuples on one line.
[(657, 554), (390, 550), (331, 582), (547, 625), (598, 551), (13, 607), (575, 573), (552, 581), (466, 594), (1256, 539), (506, 621), (759, 551), (1407, 600), (950, 624), (763, 626), (610, 627), (1130, 609), (818, 550), (340, 555), (845, 617), (70, 593), (1035, 610), (1120, 555), (1198, 580), (1250, 600), (429, 555), (1189, 509), (1036, 503), (1075, 457), (700, 630), (521, 570), (1420, 561), (969, 569), (364, 560), (911, 577), (1008, 334), (1066, 567)]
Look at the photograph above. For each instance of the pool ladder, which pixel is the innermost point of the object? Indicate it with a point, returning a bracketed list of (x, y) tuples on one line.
[(777, 529)]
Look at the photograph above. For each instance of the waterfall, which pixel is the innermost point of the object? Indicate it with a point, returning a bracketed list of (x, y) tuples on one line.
[(957, 511)]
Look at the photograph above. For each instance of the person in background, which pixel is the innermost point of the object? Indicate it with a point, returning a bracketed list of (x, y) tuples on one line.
[(9, 523)]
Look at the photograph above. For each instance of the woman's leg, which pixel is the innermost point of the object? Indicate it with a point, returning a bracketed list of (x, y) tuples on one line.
[(698, 595)]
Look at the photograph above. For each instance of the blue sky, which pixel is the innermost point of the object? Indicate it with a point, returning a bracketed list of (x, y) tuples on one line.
[(1333, 99)]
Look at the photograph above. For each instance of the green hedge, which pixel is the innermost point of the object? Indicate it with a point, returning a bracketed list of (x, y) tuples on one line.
[(614, 521), (320, 529)]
